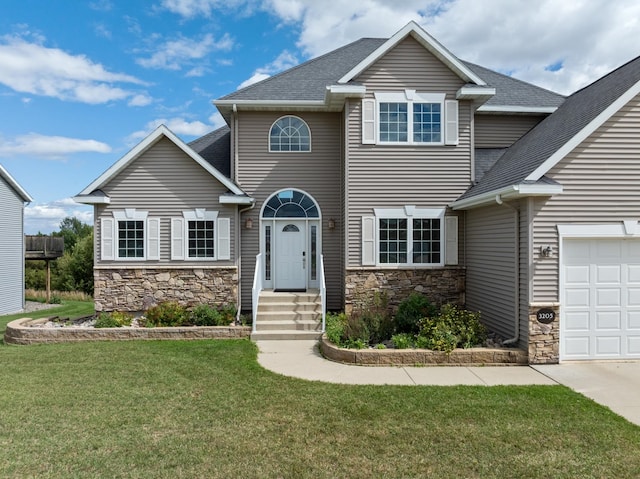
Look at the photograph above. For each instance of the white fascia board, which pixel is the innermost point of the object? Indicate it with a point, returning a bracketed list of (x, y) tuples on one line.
[(584, 133), (257, 104), (538, 110), (472, 92), (508, 193), (145, 144), (347, 90), (26, 197), (92, 199), (235, 200), (427, 41)]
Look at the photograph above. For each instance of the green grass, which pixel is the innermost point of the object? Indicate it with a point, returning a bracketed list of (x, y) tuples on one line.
[(171, 409)]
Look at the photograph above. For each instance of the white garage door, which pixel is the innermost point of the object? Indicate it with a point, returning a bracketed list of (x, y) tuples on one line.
[(600, 306)]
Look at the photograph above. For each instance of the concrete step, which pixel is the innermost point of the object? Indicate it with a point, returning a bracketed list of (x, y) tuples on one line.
[(284, 306), (271, 297), (287, 325), (285, 335), (267, 316)]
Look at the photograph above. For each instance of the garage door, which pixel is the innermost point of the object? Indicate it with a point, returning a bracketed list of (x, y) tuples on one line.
[(600, 306)]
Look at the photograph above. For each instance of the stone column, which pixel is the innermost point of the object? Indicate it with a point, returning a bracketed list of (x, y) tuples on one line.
[(544, 333)]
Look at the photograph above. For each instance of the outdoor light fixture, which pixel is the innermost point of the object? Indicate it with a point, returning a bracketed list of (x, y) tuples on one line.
[(546, 251), (248, 224), (332, 224)]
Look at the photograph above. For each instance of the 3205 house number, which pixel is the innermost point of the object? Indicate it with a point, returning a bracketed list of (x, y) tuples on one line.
[(545, 316)]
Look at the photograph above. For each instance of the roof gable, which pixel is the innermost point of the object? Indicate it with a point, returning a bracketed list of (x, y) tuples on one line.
[(533, 155), (88, 194), (428, 42), (4, 174)]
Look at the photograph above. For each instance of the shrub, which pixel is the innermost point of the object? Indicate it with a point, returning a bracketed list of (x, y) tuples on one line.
[(372, 317), (356, 331), (205, 315), (170, 313), (334, 327), (453, 327), (403, 340), (122, 318), (105, 320), (411, 311)]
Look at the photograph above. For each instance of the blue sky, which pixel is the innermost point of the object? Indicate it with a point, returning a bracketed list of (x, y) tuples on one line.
[(81, 82)]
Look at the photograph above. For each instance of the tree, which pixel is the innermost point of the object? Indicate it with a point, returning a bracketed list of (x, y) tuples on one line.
[(72, 230)]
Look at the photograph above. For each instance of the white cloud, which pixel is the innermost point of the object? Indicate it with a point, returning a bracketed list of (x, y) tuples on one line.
[(49, 147), (39, 70), (46, 217), (177, 125), (584, 38), (173, 54), (140, 100), (192, 8), (217, 121), (283, 62)]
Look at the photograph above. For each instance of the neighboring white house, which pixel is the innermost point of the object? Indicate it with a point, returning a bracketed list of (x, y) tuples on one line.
[(12, 200)]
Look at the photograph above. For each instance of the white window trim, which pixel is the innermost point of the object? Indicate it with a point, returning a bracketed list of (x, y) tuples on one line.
[(130, 214), (410, 97), (409, 212), (291, 151), (200, 214)]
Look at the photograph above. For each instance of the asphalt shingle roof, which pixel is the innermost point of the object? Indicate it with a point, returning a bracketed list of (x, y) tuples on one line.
[(545, 139), (215, 148)]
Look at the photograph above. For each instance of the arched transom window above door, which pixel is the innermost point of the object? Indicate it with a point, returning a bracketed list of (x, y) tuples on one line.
[(290, 204), (289, 133)]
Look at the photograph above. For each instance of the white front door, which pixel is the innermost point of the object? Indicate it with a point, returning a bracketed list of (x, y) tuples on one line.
[(601, 299), (291, 255)]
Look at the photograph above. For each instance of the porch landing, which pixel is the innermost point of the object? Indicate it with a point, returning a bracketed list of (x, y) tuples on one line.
[(284, 315)]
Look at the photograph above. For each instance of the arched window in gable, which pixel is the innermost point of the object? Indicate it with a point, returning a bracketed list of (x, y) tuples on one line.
[(289, 133)]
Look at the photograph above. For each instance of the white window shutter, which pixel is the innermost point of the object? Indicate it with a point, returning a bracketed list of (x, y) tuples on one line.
[(451, 240), (177, 238), (107, 233), (451, 122), (368, 121), (368, 240), (224, 238), (153, 238)]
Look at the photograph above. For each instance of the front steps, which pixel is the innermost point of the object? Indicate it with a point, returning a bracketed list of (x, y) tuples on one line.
[(288, 316)]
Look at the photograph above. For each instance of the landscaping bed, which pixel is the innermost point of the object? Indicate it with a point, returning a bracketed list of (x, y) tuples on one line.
[(424, 357), (35, 331)]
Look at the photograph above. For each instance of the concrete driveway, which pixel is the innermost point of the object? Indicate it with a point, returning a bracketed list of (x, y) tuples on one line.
[(612, 384)]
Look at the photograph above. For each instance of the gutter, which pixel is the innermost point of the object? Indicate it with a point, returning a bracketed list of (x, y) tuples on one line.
[(516, 216)]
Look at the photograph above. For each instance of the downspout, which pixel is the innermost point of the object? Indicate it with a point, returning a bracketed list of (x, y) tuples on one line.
[(516, 217), (235, 142)]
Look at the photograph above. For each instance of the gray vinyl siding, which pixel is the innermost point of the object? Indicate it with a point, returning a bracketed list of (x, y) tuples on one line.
[(600, 179), (501, 131), (524, 271), (491, 267), (261, 173), (390, 176), (11, 250), (165, 182)]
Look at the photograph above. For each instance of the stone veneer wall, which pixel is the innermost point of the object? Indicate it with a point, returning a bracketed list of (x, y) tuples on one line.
[(138, 289), (544, 339), (440, 285)]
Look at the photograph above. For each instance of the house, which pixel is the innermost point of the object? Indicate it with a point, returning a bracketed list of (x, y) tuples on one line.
[(391, 165), (12, 201)]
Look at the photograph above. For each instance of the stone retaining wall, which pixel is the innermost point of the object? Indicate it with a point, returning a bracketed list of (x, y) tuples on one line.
[(440, 285), (138, 289), (19, 332), (544, 339), (423, 357)]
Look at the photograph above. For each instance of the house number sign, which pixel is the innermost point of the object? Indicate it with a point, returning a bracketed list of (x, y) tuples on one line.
[(545, 315)]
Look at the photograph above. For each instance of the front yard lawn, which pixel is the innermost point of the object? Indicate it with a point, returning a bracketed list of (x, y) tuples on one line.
[(171, 409)]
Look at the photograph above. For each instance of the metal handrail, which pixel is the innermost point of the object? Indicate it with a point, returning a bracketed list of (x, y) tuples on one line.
[(257, 287), (323, 293)]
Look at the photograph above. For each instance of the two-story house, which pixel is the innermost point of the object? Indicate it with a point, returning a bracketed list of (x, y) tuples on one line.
[(390, 165)]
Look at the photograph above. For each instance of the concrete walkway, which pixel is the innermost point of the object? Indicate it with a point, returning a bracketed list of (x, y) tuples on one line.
[(301, 359)]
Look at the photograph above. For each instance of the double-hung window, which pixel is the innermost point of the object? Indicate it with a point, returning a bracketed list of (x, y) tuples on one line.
[(409, 236), (130, 235), (410, 118), (199, 235)]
